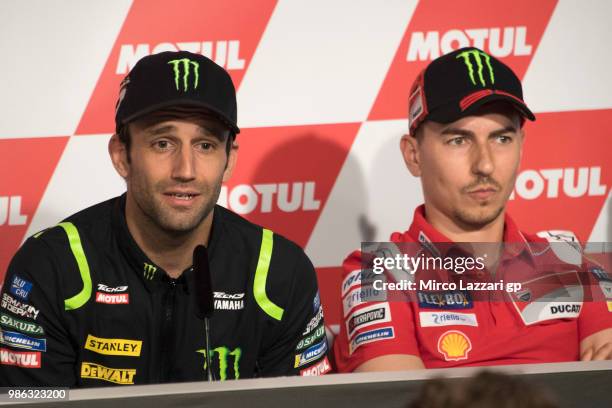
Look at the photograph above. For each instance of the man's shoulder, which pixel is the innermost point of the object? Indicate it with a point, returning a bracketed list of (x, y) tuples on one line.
[(95, 217), (253, 233)]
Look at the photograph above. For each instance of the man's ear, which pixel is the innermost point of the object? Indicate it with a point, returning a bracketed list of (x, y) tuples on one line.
[(119, 155), (231, 162), (409, 146)]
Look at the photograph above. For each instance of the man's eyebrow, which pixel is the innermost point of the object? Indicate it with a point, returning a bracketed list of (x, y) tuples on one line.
[(464, 132), (456, 131), (158, 130), (203, 130), (218, 134), (507, 129)]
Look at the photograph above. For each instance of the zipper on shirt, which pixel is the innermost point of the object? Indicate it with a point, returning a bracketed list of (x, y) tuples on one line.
[(167, 336)]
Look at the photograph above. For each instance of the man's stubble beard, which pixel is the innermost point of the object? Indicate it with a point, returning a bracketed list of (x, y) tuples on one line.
[(173, 222)]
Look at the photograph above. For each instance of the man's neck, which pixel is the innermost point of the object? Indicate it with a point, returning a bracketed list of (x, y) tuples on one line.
[(491, 232), (172, 252)]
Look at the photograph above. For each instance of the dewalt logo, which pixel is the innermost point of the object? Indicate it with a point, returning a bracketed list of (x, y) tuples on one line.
[(479, 57), (114, 375), (149, 271), (182, 69)]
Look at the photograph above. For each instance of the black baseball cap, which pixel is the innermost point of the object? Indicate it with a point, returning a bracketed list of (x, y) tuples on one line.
[(170, 79), (459, 83)]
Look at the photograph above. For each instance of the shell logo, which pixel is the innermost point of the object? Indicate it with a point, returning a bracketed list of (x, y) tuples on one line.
[(454, 345)]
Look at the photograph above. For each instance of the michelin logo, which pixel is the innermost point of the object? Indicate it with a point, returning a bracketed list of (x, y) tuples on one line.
[(311, 354)]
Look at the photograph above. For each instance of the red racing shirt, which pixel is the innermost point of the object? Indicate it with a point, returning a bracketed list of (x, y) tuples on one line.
[(563, 299)]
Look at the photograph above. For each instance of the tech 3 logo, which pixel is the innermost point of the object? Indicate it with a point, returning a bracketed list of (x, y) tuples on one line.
[(224, 353), (186, 64), (478, 56)]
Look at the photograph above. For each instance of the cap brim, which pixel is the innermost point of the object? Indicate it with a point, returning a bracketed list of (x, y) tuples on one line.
[(184, 102), (451, 111)]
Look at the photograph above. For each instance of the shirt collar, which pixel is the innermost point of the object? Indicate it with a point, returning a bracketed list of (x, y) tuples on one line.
[(149, 271), (439, 244)]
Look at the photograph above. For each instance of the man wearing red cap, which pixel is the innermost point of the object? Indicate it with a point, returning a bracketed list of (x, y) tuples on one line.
[(465, 141)]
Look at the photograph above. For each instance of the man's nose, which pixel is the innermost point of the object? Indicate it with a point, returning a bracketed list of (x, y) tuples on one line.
[(184, 164), (483, 162)]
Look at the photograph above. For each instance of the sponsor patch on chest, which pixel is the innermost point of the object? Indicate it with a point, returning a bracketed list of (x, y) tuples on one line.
[(228, 301)]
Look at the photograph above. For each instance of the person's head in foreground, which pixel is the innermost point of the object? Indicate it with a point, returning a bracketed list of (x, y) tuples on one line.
[(485, 390), (465, 142), (161, 284)]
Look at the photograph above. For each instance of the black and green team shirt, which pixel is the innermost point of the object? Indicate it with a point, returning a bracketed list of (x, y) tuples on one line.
[(82, 305)]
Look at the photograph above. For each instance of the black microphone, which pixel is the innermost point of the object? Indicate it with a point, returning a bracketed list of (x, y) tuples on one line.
[(203, 286), (203, 297)]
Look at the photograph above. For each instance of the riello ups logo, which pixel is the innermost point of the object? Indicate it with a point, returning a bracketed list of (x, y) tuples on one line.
[(227, 32), (510, 31)]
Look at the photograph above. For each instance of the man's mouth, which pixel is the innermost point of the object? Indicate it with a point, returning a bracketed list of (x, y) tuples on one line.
[(182, 196)]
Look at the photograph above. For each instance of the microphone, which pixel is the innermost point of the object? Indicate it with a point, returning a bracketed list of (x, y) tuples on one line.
[(203, 298), (203, 285)]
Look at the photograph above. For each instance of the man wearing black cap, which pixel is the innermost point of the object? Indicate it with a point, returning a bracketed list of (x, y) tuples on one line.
[(161, 284), (466, 115)]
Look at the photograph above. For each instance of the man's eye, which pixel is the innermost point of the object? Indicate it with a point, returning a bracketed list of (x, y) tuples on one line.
[(504, 139), (162, 144), (206, 146), (456, 141)]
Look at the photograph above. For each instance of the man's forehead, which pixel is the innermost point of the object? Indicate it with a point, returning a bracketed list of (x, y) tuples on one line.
[(163, 118), (503, 113)]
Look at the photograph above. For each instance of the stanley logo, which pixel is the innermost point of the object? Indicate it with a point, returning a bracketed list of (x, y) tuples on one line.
[(478, 57), (149, 271), (113, 347), (114, 375), (186, 65)]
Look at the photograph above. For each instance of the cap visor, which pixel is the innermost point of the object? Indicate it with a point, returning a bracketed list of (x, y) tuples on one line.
[(184, 102), (451, 111)]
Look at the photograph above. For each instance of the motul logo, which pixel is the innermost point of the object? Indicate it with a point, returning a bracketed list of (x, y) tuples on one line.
[(571, 182), (10, 211), (246, 198), (499, 42), (28, 359), (116, 299), (224, 53)]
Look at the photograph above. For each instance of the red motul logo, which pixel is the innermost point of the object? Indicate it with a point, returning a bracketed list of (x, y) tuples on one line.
[(317, 369), (265, 198), (276, 182), (116, 299), (508, 30), (224, 53), (10, 211), (22, 184), (199, 26), (500, 42), (551, 183), (565, 174), (27, 359)]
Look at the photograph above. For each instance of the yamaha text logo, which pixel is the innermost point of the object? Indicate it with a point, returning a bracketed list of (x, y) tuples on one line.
[(186, 65), (479, 57)]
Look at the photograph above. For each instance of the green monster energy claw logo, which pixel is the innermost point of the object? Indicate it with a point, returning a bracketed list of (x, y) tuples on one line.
[(149, 271), (479, 56), (186, 64), (224, 353)]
